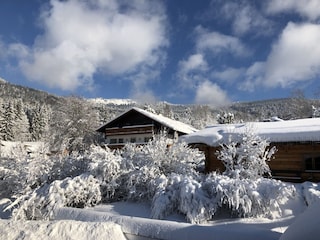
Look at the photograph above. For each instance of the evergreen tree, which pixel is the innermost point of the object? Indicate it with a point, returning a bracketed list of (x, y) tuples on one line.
[(1, 117), (39, 123), (7, 122), (225, 118), (22, 126)]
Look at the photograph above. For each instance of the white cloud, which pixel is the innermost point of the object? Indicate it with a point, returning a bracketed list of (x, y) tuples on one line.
[(3, 50), (81, 38), (18, 50), (229, 75), (194, 71), (194, 62), (306, 8), (219, 43), (140, 91), (245, 18), (210, 93), (190, 70), (254, 76), (295, 57)]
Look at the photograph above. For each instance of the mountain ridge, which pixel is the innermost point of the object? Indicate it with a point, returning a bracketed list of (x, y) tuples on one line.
[(286, 108)]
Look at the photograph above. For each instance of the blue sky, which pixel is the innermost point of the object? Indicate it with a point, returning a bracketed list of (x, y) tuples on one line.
[(181, 51)]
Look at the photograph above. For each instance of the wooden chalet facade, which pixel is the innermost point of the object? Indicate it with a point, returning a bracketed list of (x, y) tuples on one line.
[(139, 126), (297, 141)]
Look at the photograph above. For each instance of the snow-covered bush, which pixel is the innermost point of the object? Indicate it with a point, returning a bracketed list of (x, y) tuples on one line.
[(248, 198), (81, 191), (107, 167), (178, 158), (25, 178), (133, 172), (199, 199), (182, 193), (150, 162), (23, 171), (246, 156), (71, 165), (143, 167)]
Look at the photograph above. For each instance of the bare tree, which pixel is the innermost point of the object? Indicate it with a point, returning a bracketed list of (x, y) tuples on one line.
[(74, 124)]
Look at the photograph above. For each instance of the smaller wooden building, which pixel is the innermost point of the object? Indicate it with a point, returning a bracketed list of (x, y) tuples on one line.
[(297, 141), (139, 126)]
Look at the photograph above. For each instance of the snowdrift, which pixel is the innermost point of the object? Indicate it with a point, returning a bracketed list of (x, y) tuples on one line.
[(243, 229), (306, 225), (54, 230)]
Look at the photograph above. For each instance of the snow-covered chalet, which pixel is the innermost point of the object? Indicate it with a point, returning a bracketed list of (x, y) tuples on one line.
[(297, 142), (139, 126)]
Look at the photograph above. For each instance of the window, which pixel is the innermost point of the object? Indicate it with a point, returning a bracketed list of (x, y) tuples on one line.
[(317, 163), (312, 163), (113, 140), (308, 163), (120, 140), (147, 139), (132, 140)]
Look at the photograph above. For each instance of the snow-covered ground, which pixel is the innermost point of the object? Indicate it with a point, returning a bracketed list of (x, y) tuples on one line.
[(133, 219), (125, 220)]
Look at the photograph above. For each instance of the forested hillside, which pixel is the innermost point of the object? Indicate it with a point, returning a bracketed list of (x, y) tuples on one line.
[(69, 122)]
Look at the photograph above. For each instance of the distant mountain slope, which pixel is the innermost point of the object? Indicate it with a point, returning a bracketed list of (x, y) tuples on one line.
[(197, 115), (26, 94), (285, 108)]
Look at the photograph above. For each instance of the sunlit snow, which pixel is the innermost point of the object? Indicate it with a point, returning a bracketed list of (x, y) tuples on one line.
[(277, 131), (111, 220)]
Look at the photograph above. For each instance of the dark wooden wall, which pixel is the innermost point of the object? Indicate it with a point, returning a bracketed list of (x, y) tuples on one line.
[(288, 163)]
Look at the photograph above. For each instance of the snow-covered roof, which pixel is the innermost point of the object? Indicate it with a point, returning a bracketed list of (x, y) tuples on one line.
[(167, 122), (301, 130)]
